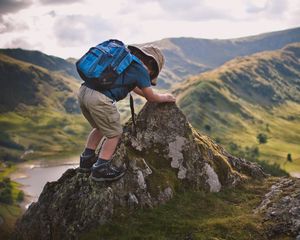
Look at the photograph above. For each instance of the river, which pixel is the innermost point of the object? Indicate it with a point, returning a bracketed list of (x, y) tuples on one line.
[(33, 175)]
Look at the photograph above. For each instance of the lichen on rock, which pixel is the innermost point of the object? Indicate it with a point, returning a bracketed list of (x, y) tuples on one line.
[(212, 180), (161, 155), (281, 208), (175, 152)]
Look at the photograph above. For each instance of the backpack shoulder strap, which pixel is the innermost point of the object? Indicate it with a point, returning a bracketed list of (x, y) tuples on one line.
[(136, 59), (132, 110)]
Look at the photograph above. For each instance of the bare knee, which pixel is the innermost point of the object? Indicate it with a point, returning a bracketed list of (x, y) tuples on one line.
[(114, 138), (96, 131)]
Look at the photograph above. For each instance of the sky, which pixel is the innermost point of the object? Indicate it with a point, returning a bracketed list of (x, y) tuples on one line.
[(68, 28)]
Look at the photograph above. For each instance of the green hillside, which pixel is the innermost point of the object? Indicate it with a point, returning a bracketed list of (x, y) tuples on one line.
[(38, 58), (40, 115), (191, 56), (248, 96)]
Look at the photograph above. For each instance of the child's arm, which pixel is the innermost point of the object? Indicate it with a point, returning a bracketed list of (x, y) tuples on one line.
[(138, 91), (151, 96)]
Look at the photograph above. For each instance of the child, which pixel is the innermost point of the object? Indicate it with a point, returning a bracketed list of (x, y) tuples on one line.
[(99, 108)]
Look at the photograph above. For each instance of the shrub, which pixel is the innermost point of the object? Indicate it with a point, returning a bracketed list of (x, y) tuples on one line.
[(262, 138), (20, 197), (6, 197), (207, 127), (6, 180), (252, 154), (5, 191), (289, 157), (274, 169)]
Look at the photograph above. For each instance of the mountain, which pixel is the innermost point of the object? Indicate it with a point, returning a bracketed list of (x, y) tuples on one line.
[(178, 184), (248, 96), (51, 82), (191, 56), (51, 63), (186, 57), (40, 114)]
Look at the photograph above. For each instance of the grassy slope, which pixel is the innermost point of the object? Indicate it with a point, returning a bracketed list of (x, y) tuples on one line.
[(9, 212), (38, 121), (34, 120), (45, 131), (193, 215), (38, 58), (191, 56), (247, 96)]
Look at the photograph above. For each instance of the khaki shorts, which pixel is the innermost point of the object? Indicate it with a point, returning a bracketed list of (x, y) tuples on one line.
[(100, 111)]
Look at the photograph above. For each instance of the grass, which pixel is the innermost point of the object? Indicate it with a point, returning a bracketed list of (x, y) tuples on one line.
[(193, 215), (9, 213), (45, 131), (283, 138), (245, 97)]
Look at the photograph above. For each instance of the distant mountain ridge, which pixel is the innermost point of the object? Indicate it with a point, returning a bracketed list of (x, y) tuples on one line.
[(29, 84), (190, 56), (31, 79), (246, 96), (39, 110), (38, 58)]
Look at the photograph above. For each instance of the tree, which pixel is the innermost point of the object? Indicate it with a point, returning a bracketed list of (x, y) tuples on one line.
[(20, 196), (262, 138), (6, 192), (289, 157), (207, 127), (6, 196)]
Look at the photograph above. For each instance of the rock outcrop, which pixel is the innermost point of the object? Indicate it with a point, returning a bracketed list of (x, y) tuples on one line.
[(281, 208), (162, 155)]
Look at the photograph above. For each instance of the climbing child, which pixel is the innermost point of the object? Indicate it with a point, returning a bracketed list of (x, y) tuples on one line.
[(99, 108)]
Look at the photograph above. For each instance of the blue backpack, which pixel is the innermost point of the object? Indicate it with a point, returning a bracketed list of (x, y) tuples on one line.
[(102, 64)]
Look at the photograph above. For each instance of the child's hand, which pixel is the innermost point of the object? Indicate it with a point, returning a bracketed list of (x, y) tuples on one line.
[(168, 97)]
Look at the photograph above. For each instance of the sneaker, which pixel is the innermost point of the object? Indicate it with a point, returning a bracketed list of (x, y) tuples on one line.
[(106, 172), (87, 161)]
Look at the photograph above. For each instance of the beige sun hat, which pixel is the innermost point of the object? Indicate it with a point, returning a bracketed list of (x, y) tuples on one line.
[(152, 57)]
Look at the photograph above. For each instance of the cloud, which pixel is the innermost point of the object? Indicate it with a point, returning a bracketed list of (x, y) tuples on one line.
[(256, 7), (7, 24), (60, 27), (52, 13), (204, 10), (75, 30), (170, 10), (12, 6), (54, 2), (276, 7), (18, 43)]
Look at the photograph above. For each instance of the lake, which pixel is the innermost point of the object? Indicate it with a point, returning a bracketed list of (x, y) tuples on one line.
[(34, 175)]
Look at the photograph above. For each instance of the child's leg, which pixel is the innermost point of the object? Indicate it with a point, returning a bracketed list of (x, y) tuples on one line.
[(93, 139), (103, 170), (88, 157), (109, 147)]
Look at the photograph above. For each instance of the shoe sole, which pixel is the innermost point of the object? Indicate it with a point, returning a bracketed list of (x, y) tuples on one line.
[(107, 179)]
